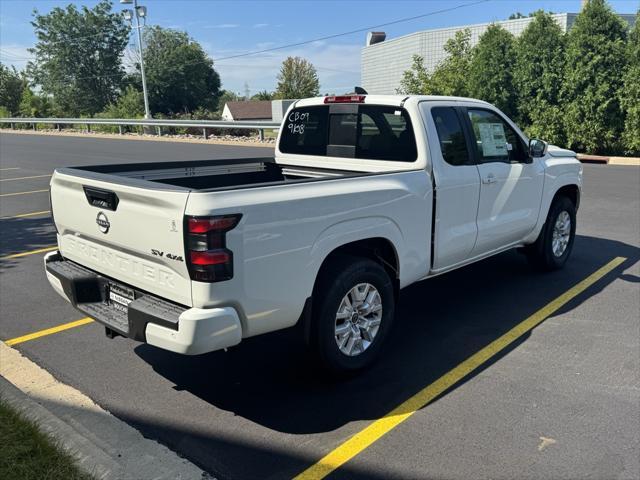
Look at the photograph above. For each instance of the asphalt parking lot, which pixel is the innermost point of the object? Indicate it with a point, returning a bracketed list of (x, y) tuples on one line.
[(562, 401)]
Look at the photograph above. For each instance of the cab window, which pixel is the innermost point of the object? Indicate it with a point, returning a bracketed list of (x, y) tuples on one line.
[(494, 138), (305, 131), (453, 144), (373, 132), (385, 133)]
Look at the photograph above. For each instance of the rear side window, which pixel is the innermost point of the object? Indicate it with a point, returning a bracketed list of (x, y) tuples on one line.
[(373, 132), (451, 136), (385, 133)]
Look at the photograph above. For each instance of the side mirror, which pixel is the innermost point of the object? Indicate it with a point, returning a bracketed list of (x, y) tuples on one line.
[(537, 148)]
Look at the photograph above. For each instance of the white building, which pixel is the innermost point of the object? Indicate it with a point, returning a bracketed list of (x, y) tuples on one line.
[(384, 61)]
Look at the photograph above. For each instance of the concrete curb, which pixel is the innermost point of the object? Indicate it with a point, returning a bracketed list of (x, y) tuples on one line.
[(627, 161), (103, 446)]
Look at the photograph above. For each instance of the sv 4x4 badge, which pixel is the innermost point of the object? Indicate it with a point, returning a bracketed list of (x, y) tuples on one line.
[(170, 256)]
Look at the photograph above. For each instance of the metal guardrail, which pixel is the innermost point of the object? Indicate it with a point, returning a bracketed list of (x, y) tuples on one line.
[(260, 126)]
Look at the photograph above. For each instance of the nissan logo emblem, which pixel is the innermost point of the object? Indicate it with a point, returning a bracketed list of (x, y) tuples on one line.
[(103, 222)]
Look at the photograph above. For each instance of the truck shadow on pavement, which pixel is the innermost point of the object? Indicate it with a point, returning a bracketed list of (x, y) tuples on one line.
[(270, 381), (439, 323)]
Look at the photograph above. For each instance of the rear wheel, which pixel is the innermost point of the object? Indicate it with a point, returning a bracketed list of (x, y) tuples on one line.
[(353, 311), (555, 242)]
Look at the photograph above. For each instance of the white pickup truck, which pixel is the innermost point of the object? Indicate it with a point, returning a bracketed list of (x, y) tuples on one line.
[(366, 195)]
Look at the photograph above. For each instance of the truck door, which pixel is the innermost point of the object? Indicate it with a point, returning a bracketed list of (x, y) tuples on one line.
[(457, 184), (511, 182)]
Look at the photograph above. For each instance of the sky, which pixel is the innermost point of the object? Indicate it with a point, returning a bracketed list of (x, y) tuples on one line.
[(228, 28)]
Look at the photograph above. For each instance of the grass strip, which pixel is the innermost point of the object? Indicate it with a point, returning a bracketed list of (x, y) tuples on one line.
[(27, 453)]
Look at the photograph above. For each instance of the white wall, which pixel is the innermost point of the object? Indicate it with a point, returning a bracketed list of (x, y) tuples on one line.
[(226, 114), (384, 63)]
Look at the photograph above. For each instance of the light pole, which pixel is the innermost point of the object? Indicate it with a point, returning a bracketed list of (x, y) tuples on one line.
[(138, 12)]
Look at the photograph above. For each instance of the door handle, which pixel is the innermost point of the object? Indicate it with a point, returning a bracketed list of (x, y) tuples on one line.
[(101, 198), (490, 178)]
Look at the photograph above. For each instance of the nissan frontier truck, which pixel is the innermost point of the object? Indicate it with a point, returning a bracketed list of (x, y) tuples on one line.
[(365, 195)]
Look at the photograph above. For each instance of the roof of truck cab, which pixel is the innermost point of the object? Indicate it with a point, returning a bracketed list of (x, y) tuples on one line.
[(394, 100)]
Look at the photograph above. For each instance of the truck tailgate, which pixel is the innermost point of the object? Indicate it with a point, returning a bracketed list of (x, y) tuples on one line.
[(129, 233)]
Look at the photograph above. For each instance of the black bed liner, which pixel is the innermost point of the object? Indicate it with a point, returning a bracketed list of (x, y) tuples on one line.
[(120, 168), (206, 175)]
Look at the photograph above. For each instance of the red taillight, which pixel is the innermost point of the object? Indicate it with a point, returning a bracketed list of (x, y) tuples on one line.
[(345, 99), (206, 224), (208, 258)]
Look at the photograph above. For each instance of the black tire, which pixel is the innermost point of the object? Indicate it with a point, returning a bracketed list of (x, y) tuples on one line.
[(540, 254), (335, 281)]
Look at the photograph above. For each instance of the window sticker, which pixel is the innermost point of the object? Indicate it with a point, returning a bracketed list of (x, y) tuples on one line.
[(493, 138), (297, 122)]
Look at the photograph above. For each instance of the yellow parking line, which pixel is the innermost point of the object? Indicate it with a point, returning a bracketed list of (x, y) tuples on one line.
[(48, 331), (31, 252), (23, 178), (23, 193), (22, 215), (370, 434)]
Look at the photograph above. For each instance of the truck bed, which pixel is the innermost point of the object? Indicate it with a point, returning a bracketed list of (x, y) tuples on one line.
[(206, 175)]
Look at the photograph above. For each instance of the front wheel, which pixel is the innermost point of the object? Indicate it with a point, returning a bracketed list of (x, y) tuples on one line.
[(555, 242), (353, 311)]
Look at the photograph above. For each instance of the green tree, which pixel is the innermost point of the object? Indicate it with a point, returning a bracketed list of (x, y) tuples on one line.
[(595, 64), (297, 79), (263, 95), (630, 94), (180, 75), (33, 105), (490, 72), (518, 15), (11, 86), (130, 104), (449, 77), (416, 80), (538, 74), (77, 56)]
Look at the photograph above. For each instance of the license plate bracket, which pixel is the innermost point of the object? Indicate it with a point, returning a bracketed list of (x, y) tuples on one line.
[(120, 297)]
